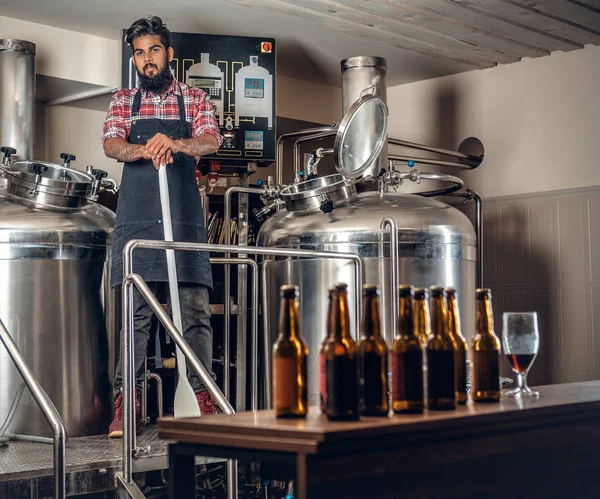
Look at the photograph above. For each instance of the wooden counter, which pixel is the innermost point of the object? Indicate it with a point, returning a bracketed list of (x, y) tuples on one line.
[(548, 447)]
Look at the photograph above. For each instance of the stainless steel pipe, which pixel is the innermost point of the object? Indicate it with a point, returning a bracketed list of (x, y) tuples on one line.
[(299, 133), (393, 226), (17, 96), (301, 140), (467, 195), (47, 408), (470, 161)]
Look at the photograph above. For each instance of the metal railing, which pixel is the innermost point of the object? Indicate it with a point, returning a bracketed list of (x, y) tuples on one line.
[(46, 406), (227, 282)]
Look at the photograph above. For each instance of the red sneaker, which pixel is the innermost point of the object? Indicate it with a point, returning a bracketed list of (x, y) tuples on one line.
[(205, 401), (115, 430)]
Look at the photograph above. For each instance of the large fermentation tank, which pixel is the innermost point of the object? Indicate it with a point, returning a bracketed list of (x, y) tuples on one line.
[(54, 249), (437, 243), (17, 96), (437, 246)]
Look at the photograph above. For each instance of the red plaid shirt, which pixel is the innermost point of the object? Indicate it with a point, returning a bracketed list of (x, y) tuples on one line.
[(198, 111)]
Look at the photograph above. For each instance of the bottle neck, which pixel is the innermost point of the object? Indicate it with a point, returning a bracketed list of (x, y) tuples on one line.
[(439, 317), (453, 317), (371, 323), (484, 321), (289, 322), (406, 325), (339, 321), (421, 318)]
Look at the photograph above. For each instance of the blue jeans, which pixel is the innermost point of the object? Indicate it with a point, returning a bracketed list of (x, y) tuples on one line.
[(195, 320)]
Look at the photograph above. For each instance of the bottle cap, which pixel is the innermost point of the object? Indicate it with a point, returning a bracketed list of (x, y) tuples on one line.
[(289, 291), (406, 291)]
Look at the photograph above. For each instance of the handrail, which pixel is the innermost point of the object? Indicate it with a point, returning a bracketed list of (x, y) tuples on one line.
[(127, 353), (215, 248), (254, 341), (46, 406)]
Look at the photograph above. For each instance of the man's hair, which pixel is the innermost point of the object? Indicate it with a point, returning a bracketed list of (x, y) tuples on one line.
[(152, 25)]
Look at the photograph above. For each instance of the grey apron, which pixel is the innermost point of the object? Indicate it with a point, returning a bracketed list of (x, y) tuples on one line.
[(139, 213)]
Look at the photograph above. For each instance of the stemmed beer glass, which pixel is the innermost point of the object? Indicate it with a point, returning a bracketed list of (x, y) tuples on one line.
[(521, 342)]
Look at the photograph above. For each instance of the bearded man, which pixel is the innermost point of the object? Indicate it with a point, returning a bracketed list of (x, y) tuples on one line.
[(161, 122)]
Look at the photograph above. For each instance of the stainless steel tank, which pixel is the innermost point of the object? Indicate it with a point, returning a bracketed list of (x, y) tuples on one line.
[(437, 246), (17, 96), (436, 243), (54, 250)]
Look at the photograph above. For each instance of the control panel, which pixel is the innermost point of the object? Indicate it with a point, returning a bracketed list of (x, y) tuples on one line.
[(238, 74)]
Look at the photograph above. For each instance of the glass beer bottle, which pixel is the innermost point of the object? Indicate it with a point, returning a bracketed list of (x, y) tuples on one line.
[(460, 355), (290, 356), (421, 315), (322, 371), (372, 358), (341, 375), (441, 385), (485, 352), (407, 359)]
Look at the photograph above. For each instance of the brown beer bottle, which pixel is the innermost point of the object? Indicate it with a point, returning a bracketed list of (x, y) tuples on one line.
[(485, 352), (441, 385), (322, 371), (372, 358), (290, 355), (421, 315), (407, 359), (341, 374), (460, 355)]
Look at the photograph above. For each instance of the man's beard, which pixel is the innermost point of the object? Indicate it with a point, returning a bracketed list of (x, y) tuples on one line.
[(158, 83)]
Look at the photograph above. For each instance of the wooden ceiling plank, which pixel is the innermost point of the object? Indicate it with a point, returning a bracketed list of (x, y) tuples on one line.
[(567, 12), (535, 20), (296, 12), (491, 22), (449, 27), (410, 27)]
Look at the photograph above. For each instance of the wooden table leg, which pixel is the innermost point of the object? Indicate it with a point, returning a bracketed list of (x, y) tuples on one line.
[(182, 473)]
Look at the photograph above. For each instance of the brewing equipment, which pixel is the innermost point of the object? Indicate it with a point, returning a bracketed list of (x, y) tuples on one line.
[(54, 248), (17, 96), (354, 211)]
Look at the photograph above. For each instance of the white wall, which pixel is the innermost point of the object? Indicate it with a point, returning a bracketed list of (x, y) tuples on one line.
[(67, 54), (538, 119), (303, 100)]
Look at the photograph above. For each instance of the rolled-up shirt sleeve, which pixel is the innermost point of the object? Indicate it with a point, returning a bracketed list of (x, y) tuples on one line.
[(115, 125), (204, 119)]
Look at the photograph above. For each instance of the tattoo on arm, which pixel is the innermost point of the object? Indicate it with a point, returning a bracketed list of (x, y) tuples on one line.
[(122, 151), (199, 146)]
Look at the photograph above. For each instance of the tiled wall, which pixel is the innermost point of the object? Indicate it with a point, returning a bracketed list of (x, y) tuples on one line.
[(542, 252)]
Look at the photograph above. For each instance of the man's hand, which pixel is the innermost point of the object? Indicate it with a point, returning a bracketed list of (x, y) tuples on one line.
[(162, 146)]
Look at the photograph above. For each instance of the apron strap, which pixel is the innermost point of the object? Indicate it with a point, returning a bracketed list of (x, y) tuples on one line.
[(135, 109), (181, 104)]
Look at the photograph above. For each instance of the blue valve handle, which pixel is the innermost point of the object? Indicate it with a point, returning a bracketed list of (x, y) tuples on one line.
[(259, 182), (411, 163)]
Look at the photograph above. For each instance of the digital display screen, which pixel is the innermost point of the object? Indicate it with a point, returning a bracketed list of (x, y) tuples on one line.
[(203, 82), (254, 88)]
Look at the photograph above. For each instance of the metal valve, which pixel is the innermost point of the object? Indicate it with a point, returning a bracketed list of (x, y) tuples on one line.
[(67, 158), (7, 153), (38, 170), (327, 206)]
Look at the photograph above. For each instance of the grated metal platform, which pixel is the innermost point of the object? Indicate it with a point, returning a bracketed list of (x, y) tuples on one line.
[(26, 469)]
